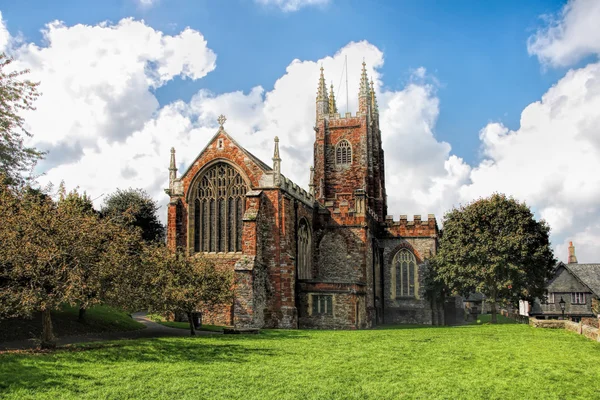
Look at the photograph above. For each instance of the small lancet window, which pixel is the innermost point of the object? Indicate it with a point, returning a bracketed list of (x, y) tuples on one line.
[(220, 144), (343, 152)]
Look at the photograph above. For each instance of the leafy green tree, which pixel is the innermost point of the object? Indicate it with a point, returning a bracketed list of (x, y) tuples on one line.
[(495, 246), (16, 95), (35, 256), (175, 282), (136, 208), (56, 253), (99, 253)]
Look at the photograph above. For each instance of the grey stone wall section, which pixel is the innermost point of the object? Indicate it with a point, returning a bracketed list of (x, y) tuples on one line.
[(407, 310), (338, 262)]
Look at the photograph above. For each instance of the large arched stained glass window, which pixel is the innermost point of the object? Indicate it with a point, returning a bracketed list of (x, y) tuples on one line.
[(405, 266), (219, 209)]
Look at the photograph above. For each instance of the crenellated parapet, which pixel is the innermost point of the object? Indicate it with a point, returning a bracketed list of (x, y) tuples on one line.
[(415, 228), (297, 192)]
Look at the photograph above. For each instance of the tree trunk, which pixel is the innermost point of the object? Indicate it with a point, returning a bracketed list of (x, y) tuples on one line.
[(81, 317), (494, 312), (191, 321), (48, 339)]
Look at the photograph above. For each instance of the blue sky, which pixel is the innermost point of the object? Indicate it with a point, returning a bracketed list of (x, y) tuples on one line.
[(475, 97), (476, 50)]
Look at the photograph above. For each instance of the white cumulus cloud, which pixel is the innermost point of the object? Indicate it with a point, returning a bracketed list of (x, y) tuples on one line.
[(97, 82), (569, 36)]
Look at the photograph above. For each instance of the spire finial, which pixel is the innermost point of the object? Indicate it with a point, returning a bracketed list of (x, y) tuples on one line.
[(276, 164), (364, 80), (172, 169), (332, 105), (276, 150), (322, 98), (374, 106), (322, 89), (572, 257), (221, 120)]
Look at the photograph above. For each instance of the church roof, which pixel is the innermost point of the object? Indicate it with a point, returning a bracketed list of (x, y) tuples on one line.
[(588, 274), (251, 156)]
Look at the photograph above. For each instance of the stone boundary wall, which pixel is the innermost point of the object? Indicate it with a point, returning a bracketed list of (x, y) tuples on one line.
[(593, 322), (578, 327)]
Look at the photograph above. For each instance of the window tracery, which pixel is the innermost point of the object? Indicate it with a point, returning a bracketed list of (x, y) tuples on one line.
[(304, 251), (406, 274), (343, 152), (219, 209)]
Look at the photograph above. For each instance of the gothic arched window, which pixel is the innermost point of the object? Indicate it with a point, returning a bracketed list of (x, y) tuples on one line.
[(304, 251), (219, 209), (406, 274), (343, 152)]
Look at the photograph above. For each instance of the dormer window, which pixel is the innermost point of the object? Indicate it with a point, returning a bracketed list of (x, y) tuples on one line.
[(343, 153)]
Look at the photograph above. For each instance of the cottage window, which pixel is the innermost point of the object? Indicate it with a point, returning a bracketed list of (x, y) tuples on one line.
[(343, 152), (322, 304), (405, 267), (578, 298), (550, 298), (219, 209), (304, 250)]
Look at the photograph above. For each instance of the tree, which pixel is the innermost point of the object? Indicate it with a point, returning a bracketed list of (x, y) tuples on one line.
[(15, 95), (56, 253), (177, 282), (140, 207), (98, 254), (35, 256), (496, 247)]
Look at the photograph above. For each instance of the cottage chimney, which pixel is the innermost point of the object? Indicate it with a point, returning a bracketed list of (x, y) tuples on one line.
[(572, 257)]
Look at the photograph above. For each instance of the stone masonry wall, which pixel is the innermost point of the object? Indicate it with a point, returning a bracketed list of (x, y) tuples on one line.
[(348, 307), (404, 309)]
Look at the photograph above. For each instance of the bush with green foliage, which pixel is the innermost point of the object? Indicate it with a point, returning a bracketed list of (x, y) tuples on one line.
[(135, 207)]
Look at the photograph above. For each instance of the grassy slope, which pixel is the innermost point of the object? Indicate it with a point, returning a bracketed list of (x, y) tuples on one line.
[(485, 361), (97, 319)]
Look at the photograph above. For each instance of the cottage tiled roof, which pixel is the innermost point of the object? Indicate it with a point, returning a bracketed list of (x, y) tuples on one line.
[(588, 274)]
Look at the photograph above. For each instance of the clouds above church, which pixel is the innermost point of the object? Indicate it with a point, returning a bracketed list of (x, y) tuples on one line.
[(105, 129)]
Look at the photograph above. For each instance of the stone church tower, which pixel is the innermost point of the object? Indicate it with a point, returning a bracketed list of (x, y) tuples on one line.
[(327, 258)]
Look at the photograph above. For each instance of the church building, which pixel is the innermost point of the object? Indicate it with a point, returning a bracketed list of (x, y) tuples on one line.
[(329, 257)]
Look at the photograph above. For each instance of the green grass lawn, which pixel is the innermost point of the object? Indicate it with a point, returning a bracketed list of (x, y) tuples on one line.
[(65, 321), (509, 361)]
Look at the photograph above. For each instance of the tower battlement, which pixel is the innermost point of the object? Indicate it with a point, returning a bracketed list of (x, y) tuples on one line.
[(418, 227)]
